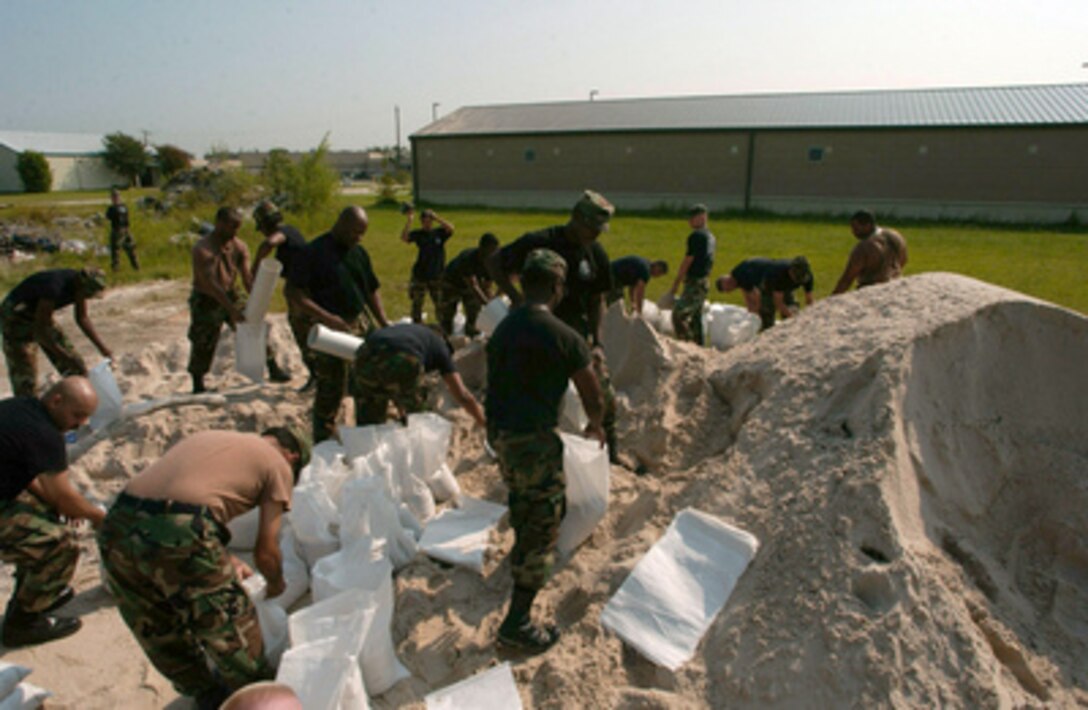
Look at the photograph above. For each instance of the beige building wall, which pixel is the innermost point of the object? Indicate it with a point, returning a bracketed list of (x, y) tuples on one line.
[(1028, 174), (82, 172)]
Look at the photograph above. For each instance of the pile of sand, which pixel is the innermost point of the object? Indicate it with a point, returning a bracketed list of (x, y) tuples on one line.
[(911, 458)]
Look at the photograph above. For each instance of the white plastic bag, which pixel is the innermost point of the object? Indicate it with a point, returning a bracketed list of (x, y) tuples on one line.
[(345, 617), (355, 567), (672, 595), (572, 416), (460, 536), (315, 520), (492, 314), (367, 511), (323, 678), (430, 434), (444, 485), (271, 617), (10, 676), (109, 396), (585, 465), (493, 688), (25, 696), (250, 349), (729, 326)]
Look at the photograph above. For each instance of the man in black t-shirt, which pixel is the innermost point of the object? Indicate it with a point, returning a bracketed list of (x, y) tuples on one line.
[(589, 279), (120, 236), (333, 283), (633, 273), (34, 492), (26, 321), (431, 260), (288, 242), (466, 280), (390, 366), (530, 358), (768, 286), (694, 273)]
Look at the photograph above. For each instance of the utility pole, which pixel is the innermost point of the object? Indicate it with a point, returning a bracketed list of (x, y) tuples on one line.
[(593, 93), (396, 115), (146, 134), (434, 110)]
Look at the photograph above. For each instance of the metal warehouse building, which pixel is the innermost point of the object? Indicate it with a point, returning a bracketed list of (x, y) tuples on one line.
[(1011, 153), (75, 159)]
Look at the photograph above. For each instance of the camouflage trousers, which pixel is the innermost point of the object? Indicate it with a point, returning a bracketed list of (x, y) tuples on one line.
[(451, 296), (767, 311), (417, 291), (687, 314), (206, 320), (381, 375), (21, 353), (532, 468), (332, 375), (300, 328), (177, 591), (122, 240), (608, 392), (42, 548)]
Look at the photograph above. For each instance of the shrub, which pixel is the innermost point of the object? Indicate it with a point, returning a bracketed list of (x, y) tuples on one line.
[(173, 160), (34, 171), (125, 155), (306, 187)]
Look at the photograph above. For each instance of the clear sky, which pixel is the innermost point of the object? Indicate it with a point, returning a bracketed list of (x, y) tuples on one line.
[(257, 74)]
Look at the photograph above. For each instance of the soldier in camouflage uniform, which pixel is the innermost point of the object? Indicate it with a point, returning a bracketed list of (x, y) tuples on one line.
[(120, 235), (35, 493), (390, 366), (26, 320), (530, 358), (694, 274), (431, 260), (164, 553), (589, 280), (333, 283), (467, 281)]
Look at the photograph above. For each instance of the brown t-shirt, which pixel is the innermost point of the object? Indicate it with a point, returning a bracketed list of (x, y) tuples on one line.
[(227, 262), (228, 472)]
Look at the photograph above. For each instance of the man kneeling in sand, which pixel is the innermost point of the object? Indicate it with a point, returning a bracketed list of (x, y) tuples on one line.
[(163, 547), (34, 493)]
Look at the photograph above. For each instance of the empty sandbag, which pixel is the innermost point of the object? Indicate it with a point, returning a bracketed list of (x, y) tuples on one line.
[(461, 536), (322, 677), (493, 688), (585, 465)]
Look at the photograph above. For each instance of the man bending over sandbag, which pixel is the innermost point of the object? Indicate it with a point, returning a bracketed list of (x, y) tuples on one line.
[(391, 364), (34, 493), (530, 357), (163, 547)]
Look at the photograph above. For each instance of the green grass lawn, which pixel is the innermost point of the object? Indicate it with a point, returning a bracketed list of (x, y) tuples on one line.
[(1047, 263)]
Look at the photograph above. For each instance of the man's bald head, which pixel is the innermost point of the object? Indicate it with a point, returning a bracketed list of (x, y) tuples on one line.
[(71, 402), (263, 695), (350, 226)]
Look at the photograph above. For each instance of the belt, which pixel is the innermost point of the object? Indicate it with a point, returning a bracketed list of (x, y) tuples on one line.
[(156, 507)]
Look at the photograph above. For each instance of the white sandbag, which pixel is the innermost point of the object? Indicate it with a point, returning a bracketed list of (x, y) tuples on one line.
[(263, 287), (572, 416), (672, 595), (11, 675), (367, 511), (430, 434), (585, 465), (271, 617), (250, 349), (413, 491), (333, 342), (25, 696), (459, 321), (315, 520), (345, 617), (363, 440), (243, 530), (296, 575), (109, 396), (731, 325), (651, 313), (331, 475), (444, 485), (356, 567), (664, 322), (323, 678), (492, 314), (461, 536), (327, 451), (493, 688)]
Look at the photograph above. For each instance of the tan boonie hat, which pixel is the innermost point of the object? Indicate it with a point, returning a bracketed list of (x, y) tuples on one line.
[(593, 209), (92, 280), (544, 261)]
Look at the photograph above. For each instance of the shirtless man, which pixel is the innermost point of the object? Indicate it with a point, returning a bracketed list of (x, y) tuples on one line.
[(878, 257)]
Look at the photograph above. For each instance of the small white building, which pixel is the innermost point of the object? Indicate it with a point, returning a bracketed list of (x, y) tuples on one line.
[(75, 160)]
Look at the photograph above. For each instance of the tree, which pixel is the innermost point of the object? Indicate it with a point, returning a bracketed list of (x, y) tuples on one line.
[(173, 160), (315, 182), (125, 155), (278, 172), (34, 170)]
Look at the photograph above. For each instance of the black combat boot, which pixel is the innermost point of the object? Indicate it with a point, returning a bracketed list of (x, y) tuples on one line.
[(518, 630), (23, 628)]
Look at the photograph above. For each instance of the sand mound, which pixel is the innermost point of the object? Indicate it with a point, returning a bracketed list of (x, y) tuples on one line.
[(911, 458)]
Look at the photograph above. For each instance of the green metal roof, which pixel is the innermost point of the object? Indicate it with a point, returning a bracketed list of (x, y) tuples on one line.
[(1057, 104)]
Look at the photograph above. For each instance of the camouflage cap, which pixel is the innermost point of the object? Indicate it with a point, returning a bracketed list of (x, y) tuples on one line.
[(92, 280), (267, 213), (305, 446), (799, 269), (593, 209), (541, 261)]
